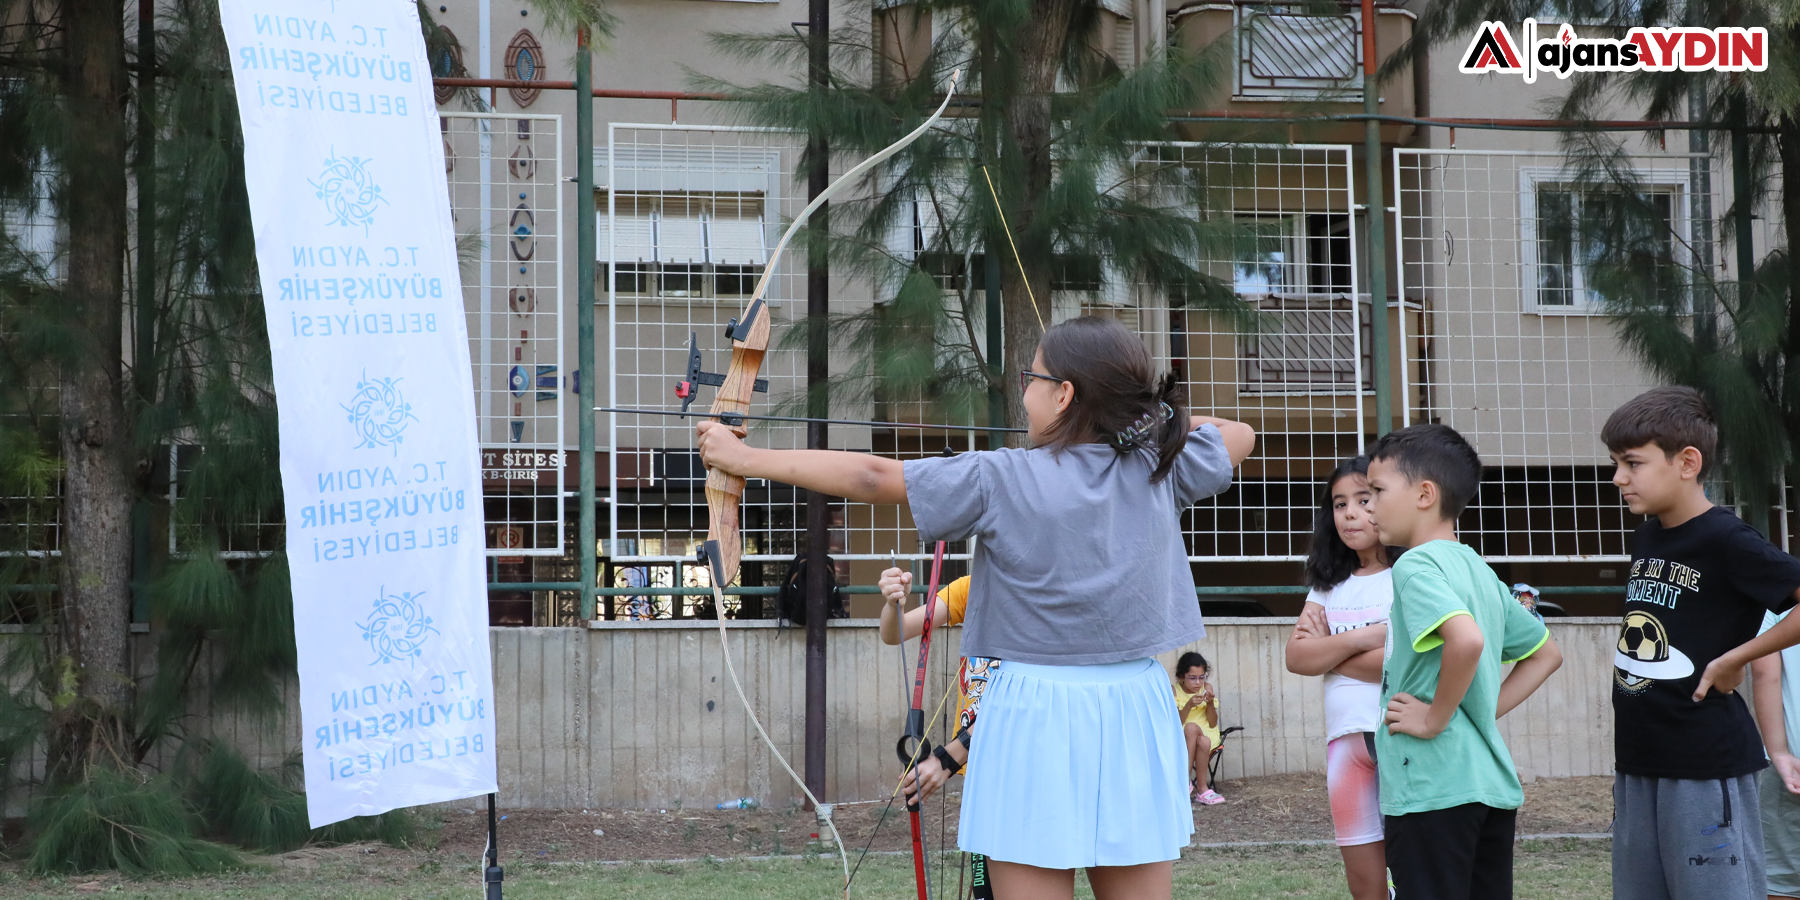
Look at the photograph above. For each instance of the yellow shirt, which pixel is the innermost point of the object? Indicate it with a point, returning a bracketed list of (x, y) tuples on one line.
[(955, 597), (972, 676), (1197, 715)]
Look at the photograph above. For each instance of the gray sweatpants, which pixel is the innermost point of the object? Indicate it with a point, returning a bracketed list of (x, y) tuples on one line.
[(1675, 839)]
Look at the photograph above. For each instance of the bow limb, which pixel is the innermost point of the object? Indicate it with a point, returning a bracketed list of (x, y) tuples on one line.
[(913, 744), (750, 342)]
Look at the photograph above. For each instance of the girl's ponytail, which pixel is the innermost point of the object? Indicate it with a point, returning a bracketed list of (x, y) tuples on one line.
[(1171, 397), (1118, 399)]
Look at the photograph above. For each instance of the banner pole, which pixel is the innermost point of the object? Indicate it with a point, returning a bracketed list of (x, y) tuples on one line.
[(494, 874)]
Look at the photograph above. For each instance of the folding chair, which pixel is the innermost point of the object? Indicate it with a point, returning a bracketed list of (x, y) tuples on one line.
[(1217, 756)]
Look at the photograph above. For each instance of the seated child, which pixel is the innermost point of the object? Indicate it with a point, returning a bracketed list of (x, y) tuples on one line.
[(1199, 721), (1449, 793)]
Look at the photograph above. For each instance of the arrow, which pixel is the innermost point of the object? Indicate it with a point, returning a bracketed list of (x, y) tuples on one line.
[(739, 418)]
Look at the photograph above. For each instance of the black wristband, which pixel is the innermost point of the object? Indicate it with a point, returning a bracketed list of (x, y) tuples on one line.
[(949, 762), (963, 736)]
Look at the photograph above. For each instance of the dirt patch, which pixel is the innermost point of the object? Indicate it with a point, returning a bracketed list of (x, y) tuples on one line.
[(1567, 806), (633, 834), (1295, 807), (1271, 808), (1274, 808)]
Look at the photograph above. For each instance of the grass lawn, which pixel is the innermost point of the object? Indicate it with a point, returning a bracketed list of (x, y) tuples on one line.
[(1544, 871)]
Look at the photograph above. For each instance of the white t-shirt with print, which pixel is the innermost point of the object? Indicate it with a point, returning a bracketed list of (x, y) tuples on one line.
[(1362, 600)]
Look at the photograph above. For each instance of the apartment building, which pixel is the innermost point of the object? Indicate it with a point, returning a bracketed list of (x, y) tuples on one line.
[(1493, 327)]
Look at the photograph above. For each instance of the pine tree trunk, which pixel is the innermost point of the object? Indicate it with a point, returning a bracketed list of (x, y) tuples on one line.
[(96, 437), (1030, 127)]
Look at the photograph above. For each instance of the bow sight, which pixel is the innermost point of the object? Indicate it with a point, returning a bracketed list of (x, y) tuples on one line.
[(688, 388)]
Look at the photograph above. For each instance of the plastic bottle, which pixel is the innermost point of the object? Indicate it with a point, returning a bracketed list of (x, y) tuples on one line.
[(740, 803)]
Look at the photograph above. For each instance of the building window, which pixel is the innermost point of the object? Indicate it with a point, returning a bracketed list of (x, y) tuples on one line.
[(1294, 254), (680, 247), (1295, 269), (1569, 229)]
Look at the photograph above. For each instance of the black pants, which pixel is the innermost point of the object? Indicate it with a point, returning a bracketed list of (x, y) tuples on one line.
[(1461, 853)]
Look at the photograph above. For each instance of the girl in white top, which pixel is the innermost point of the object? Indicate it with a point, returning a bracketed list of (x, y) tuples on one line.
[(1340, 635)]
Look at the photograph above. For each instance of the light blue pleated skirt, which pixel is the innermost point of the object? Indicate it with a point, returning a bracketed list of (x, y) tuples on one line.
[(1077, 766)]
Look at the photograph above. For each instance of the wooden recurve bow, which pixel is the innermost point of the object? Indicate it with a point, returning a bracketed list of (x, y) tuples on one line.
[(749, 336)]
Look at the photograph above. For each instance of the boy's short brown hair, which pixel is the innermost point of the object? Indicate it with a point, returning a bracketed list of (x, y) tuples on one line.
[(1436, 453), (1673, 418)]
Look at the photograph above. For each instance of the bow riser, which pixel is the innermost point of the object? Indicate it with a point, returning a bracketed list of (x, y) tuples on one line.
[(724, 492)]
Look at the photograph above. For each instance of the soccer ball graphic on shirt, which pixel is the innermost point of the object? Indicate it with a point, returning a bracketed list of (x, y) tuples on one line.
[(1645, 654)]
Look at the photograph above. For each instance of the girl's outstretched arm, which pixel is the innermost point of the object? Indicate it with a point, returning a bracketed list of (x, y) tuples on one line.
[(1240, 439), (862, 477)]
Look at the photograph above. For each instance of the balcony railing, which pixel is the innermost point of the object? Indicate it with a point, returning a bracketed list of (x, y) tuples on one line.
[(1313, 350), (1285, 53)]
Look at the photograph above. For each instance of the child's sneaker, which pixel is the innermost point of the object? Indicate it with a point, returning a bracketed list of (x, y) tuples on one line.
[(1210, 798)]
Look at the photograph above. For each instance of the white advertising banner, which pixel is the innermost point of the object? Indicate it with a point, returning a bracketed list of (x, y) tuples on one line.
[(379, 461)]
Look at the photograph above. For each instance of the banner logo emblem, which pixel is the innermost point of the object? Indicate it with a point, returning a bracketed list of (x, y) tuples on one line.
[(349, 191), (398, 627), (379, 412), (1491, 51)]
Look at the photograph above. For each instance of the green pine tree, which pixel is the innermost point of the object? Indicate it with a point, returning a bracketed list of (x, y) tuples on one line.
[(1070, 141), (108, 430)]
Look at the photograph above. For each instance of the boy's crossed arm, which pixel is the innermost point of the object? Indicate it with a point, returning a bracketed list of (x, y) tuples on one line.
[(1463, 644)]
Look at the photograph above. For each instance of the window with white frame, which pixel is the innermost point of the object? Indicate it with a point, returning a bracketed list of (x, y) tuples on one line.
[(30, 223), (685, 246), (1568, 228), (688, 224), (918, 236), (1296, 271)]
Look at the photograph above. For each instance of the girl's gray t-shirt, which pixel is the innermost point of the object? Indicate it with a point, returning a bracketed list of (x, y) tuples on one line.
[(1080, 559)]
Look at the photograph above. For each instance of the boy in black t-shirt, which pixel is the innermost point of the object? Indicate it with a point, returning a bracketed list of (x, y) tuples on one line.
[(1686, 821)]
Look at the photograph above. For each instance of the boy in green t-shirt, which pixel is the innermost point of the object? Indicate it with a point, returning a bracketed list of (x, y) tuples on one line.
[(1449, 793)]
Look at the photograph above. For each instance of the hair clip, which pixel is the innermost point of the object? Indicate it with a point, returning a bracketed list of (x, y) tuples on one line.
[(1134, 436)]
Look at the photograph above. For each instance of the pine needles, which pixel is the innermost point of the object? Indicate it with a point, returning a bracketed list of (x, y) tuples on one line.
[(265, 811), (202, 430), (113, 819)]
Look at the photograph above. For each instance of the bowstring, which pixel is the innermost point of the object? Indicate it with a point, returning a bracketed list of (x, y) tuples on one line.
[(1020, 260), (951, 673), (898, 785), (731, 669)]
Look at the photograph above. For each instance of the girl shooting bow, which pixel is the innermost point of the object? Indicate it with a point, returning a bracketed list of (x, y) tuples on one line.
[(1083, 578)]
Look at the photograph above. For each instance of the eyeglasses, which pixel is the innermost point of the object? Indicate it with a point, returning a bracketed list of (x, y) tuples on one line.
[(1025, 376)]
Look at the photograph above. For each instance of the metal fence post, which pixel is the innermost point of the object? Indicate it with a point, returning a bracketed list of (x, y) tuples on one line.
[(584, 315)]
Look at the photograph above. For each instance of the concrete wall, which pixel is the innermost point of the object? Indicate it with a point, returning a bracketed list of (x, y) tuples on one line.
[(642, 715)]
